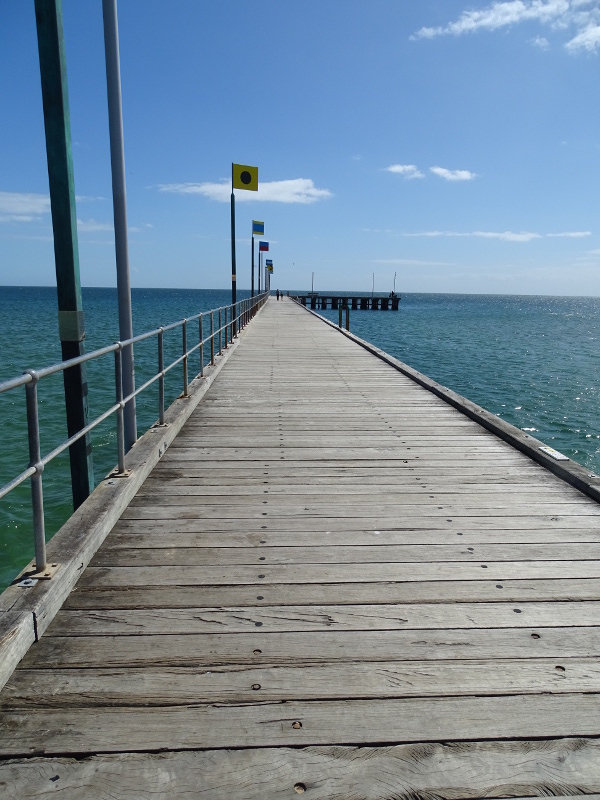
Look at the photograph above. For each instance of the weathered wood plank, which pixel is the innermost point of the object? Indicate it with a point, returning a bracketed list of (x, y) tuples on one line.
[(170, 554), (421, 522), (556, 767), (17, 634), (138, 535), (340, 573), (128, 622), (86, 596), (149, 686), (200, 511), (297, 723), (317, 647)]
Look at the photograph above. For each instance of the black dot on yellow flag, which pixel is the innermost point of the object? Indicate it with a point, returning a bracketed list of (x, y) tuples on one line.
[(244, 177)]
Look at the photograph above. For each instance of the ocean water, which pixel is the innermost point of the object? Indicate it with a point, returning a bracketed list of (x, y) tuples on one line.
[(534, 361)]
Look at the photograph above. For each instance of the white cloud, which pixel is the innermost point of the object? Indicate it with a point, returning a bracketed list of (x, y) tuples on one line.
[(411, 262), (540, 42), (453, 174), (505, 236), (581, 16), (298, 190), (409, 171), (29, 207), (91, 226), (570, 235), (22, 207), (588, 39)]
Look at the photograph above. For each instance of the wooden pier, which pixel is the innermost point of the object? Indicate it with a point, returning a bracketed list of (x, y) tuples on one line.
[(356, 302), (333, 583)]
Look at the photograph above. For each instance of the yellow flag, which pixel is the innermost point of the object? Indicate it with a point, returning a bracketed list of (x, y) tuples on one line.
[(244, 177)]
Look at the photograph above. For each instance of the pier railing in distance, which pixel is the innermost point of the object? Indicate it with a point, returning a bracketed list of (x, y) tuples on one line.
[(216, 329)]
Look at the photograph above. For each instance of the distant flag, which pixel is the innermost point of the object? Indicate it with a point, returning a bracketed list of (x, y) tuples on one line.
[(243, 177), (269, 262), (258, 228), (263, 247)]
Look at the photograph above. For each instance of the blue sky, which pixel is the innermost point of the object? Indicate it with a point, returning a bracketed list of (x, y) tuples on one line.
[(456, 144)]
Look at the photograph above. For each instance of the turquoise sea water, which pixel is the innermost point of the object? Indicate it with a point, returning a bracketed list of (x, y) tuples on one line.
[(534, 361)]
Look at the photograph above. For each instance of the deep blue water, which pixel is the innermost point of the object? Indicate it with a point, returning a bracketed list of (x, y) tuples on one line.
[(531, 360)]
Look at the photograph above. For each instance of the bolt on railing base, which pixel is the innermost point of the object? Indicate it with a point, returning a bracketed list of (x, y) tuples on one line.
[(116, 474), (32, 573)]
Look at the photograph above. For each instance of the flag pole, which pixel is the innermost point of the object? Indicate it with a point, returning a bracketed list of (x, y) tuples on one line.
[(252, 273), (233, 271)]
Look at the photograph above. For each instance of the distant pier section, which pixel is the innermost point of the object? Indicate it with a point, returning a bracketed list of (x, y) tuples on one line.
[(358, 302)]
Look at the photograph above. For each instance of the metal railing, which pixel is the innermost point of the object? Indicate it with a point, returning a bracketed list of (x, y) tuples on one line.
[(231, 320)]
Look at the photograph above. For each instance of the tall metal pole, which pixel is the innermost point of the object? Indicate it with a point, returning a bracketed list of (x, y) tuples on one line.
[(259, 267), (117, 160), (252, 281), (53, 69)]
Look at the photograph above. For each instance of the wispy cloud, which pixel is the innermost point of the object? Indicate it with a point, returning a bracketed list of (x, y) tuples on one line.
[(569, 235), (23, 207), (29, 207), (540, 42), (91, 226), (298, 190), (453, 174), (411, 262), (408, 171), (581, 18), (587, 39), (505, 236)]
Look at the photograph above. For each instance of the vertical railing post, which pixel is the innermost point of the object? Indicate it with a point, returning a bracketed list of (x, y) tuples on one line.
[(212, 338), (347, 317), (185, 357), (201, 340), (220, 346), (161, 380), (340, 317), (35, 461), (120, 409), (226, 338)]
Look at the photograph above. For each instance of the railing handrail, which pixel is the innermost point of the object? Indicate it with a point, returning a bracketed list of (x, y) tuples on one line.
[(239, 314)]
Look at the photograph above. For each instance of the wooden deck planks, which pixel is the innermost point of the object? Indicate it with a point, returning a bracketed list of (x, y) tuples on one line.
[(327, 558)]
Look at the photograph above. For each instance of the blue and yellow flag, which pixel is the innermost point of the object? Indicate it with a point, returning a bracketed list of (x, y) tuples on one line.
[(243, 177), (258, 228)]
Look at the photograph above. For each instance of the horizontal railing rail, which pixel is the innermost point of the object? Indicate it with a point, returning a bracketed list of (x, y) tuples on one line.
[(231, 320)]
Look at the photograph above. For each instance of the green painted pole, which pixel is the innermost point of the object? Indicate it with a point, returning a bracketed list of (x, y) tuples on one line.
[(53, 70)]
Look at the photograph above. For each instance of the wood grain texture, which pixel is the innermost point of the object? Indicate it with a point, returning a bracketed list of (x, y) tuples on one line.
[(297, 723), (516, 769)]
